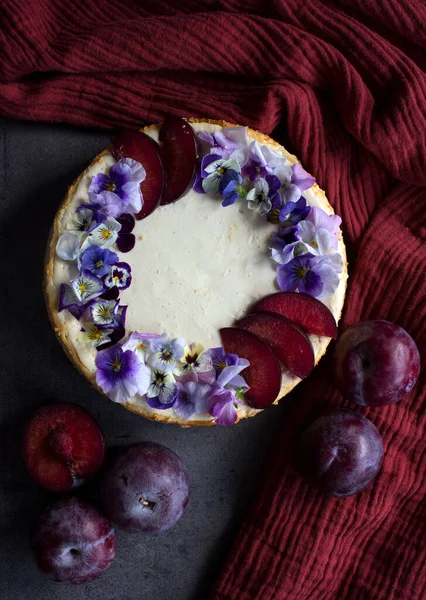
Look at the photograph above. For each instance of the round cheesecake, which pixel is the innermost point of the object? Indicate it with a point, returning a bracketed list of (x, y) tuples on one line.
[(196, 267)]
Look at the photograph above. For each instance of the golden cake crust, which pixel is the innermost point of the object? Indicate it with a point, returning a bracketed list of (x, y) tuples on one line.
[(51, 293)]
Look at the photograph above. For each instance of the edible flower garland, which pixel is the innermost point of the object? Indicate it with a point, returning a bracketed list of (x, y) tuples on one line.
[(305, 245)]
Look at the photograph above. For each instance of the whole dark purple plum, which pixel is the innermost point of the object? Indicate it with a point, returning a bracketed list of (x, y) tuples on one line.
[(375, 363), (144, 488), (73, 542), (341, 451)]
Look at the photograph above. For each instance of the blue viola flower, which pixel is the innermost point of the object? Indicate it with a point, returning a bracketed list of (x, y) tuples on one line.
[(230, 187), (86, 218), (262, 196), (294, 212), (161, 392), (285, 244), (98, 260), (213, 169)]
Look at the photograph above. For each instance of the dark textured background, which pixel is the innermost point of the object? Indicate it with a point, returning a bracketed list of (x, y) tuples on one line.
[(37, 164)]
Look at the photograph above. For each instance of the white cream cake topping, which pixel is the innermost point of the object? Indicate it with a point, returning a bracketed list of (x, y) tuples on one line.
[(196, 267)]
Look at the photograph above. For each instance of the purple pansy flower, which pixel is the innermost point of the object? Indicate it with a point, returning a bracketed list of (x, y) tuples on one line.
[(293, 185), (231, 142), (223, 404), (285, 244), (120, 374), (196, 365), (68, 300), (103, 313), (228, 368), (314, 275), (316, 241), (120, 190), (139, 343), (120, 276), (94, 335), (221, 360), (294, 212), (262, 161), (330, 223), (104, 235), (162, 388), (87, 286), (264, 192), (126, 239), (118, 325), (97, 260), (191, 398), (213, 169), (166, 352), (86, 218)]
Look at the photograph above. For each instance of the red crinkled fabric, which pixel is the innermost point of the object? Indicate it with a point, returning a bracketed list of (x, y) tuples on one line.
[(343, 84)]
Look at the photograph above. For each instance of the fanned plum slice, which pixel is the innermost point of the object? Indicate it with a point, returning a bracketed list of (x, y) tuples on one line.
[(179, 153), (292, 348), (264, 373), (140, 147), (301, 309)]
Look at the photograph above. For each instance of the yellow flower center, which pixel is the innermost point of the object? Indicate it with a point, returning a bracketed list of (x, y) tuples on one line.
[(82, 287), (116, 278), (96, 334), (111, 187), (140, 347), (104, 312), (301, 272), (116, 365), (99, 264), (314, 244), (105, 234), (221, 170)]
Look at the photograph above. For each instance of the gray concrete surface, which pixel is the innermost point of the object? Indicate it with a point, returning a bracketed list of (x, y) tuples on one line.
[(37, 163)]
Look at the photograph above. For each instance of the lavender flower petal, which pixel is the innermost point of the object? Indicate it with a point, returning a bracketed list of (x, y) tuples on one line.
[(126, 242), (68, 246), (301, 178), (155, 403)]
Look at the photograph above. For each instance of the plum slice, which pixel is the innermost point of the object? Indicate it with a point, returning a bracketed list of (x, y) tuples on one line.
[(62, 446), (301, 309), (141, 147), (289, 344), (179, 153), (264, 373)]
